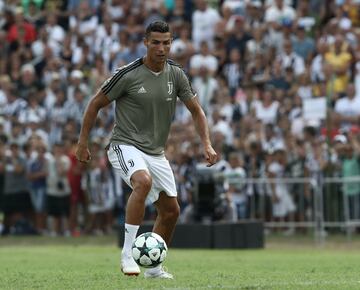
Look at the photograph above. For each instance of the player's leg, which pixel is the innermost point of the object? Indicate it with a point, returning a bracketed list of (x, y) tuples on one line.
[(133, 170), (164, 197), (168, 211), (135, 209)]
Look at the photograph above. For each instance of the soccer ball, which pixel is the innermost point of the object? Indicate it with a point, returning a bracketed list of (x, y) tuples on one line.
[(149, 250)]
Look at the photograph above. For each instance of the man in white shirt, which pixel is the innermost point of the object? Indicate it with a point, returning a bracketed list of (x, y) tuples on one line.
[(54, 30), (204, 20), (348, 108), (203, 59), (290, 59), (317, 73), (279, 11), (207, 88)]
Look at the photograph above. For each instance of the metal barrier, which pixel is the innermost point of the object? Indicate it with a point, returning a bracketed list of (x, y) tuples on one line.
[(321, 204)]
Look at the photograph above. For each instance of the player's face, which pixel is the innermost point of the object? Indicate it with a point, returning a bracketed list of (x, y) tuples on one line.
[(158, 46)]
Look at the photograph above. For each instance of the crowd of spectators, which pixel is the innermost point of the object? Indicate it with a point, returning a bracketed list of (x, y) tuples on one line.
[(257, 67)]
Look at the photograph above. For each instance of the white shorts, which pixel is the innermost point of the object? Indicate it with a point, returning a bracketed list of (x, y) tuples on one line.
[(128, 159)]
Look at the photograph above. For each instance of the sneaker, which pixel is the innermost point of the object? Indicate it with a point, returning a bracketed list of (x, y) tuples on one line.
[(158, 273), (129, 266)]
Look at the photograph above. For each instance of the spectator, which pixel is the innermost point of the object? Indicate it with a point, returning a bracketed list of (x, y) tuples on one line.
[(134, 51), (16, 200), (233, 71), (350, 167), (77, 197), (37, 175), (58, 191), (236, 185), (207, 88), (15, 37), (266, 108), (348, 108), (54, 30), (204, 20), (203, 59), (290, 59), (100, 195), (76, 83), (70, 46), (258, 45), (339, 60), (317, 74), (106, 40), (238, 36), (29, 82), (84, 22), (75, 108), (305, 88), (277, 11), (303, 46), (282, 202), (33, 110)]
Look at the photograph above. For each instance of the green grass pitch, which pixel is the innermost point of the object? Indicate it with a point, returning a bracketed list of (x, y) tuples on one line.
[(42, 263)]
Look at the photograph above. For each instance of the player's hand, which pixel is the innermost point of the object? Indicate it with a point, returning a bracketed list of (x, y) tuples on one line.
[(210, 155), (83, 153)]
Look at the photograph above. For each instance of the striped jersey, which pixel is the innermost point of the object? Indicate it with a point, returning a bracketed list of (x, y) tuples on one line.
[(145, 103)]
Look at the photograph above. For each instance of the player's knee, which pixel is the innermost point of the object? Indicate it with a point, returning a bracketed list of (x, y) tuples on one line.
[(142, 184)]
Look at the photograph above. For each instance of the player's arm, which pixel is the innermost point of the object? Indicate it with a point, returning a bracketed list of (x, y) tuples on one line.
[(202, 128), (97, 102)]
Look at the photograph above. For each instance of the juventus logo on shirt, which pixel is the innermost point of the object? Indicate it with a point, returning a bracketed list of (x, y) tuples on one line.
[(131, 162), (170, 87)]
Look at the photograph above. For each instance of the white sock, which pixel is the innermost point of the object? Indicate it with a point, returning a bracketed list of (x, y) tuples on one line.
[(130, 235)]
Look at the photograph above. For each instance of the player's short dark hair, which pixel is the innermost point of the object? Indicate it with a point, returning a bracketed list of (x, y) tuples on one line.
[(157, 26)]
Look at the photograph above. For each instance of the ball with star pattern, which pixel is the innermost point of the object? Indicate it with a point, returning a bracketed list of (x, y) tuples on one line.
[(149, 250)]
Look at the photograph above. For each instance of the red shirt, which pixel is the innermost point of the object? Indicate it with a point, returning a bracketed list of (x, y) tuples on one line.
[(29, 33)]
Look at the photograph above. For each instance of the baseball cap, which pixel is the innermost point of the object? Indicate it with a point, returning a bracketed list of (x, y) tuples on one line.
[(77, 74)]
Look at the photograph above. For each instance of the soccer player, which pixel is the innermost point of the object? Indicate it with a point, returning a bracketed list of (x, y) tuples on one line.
[(145, 92)]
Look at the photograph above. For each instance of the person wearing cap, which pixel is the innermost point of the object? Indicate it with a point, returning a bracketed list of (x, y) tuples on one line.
[(29, 82), (76, 82), (145, 94)]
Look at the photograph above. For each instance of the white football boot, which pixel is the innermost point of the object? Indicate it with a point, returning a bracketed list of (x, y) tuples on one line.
[(158, 272), (129, 266)]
